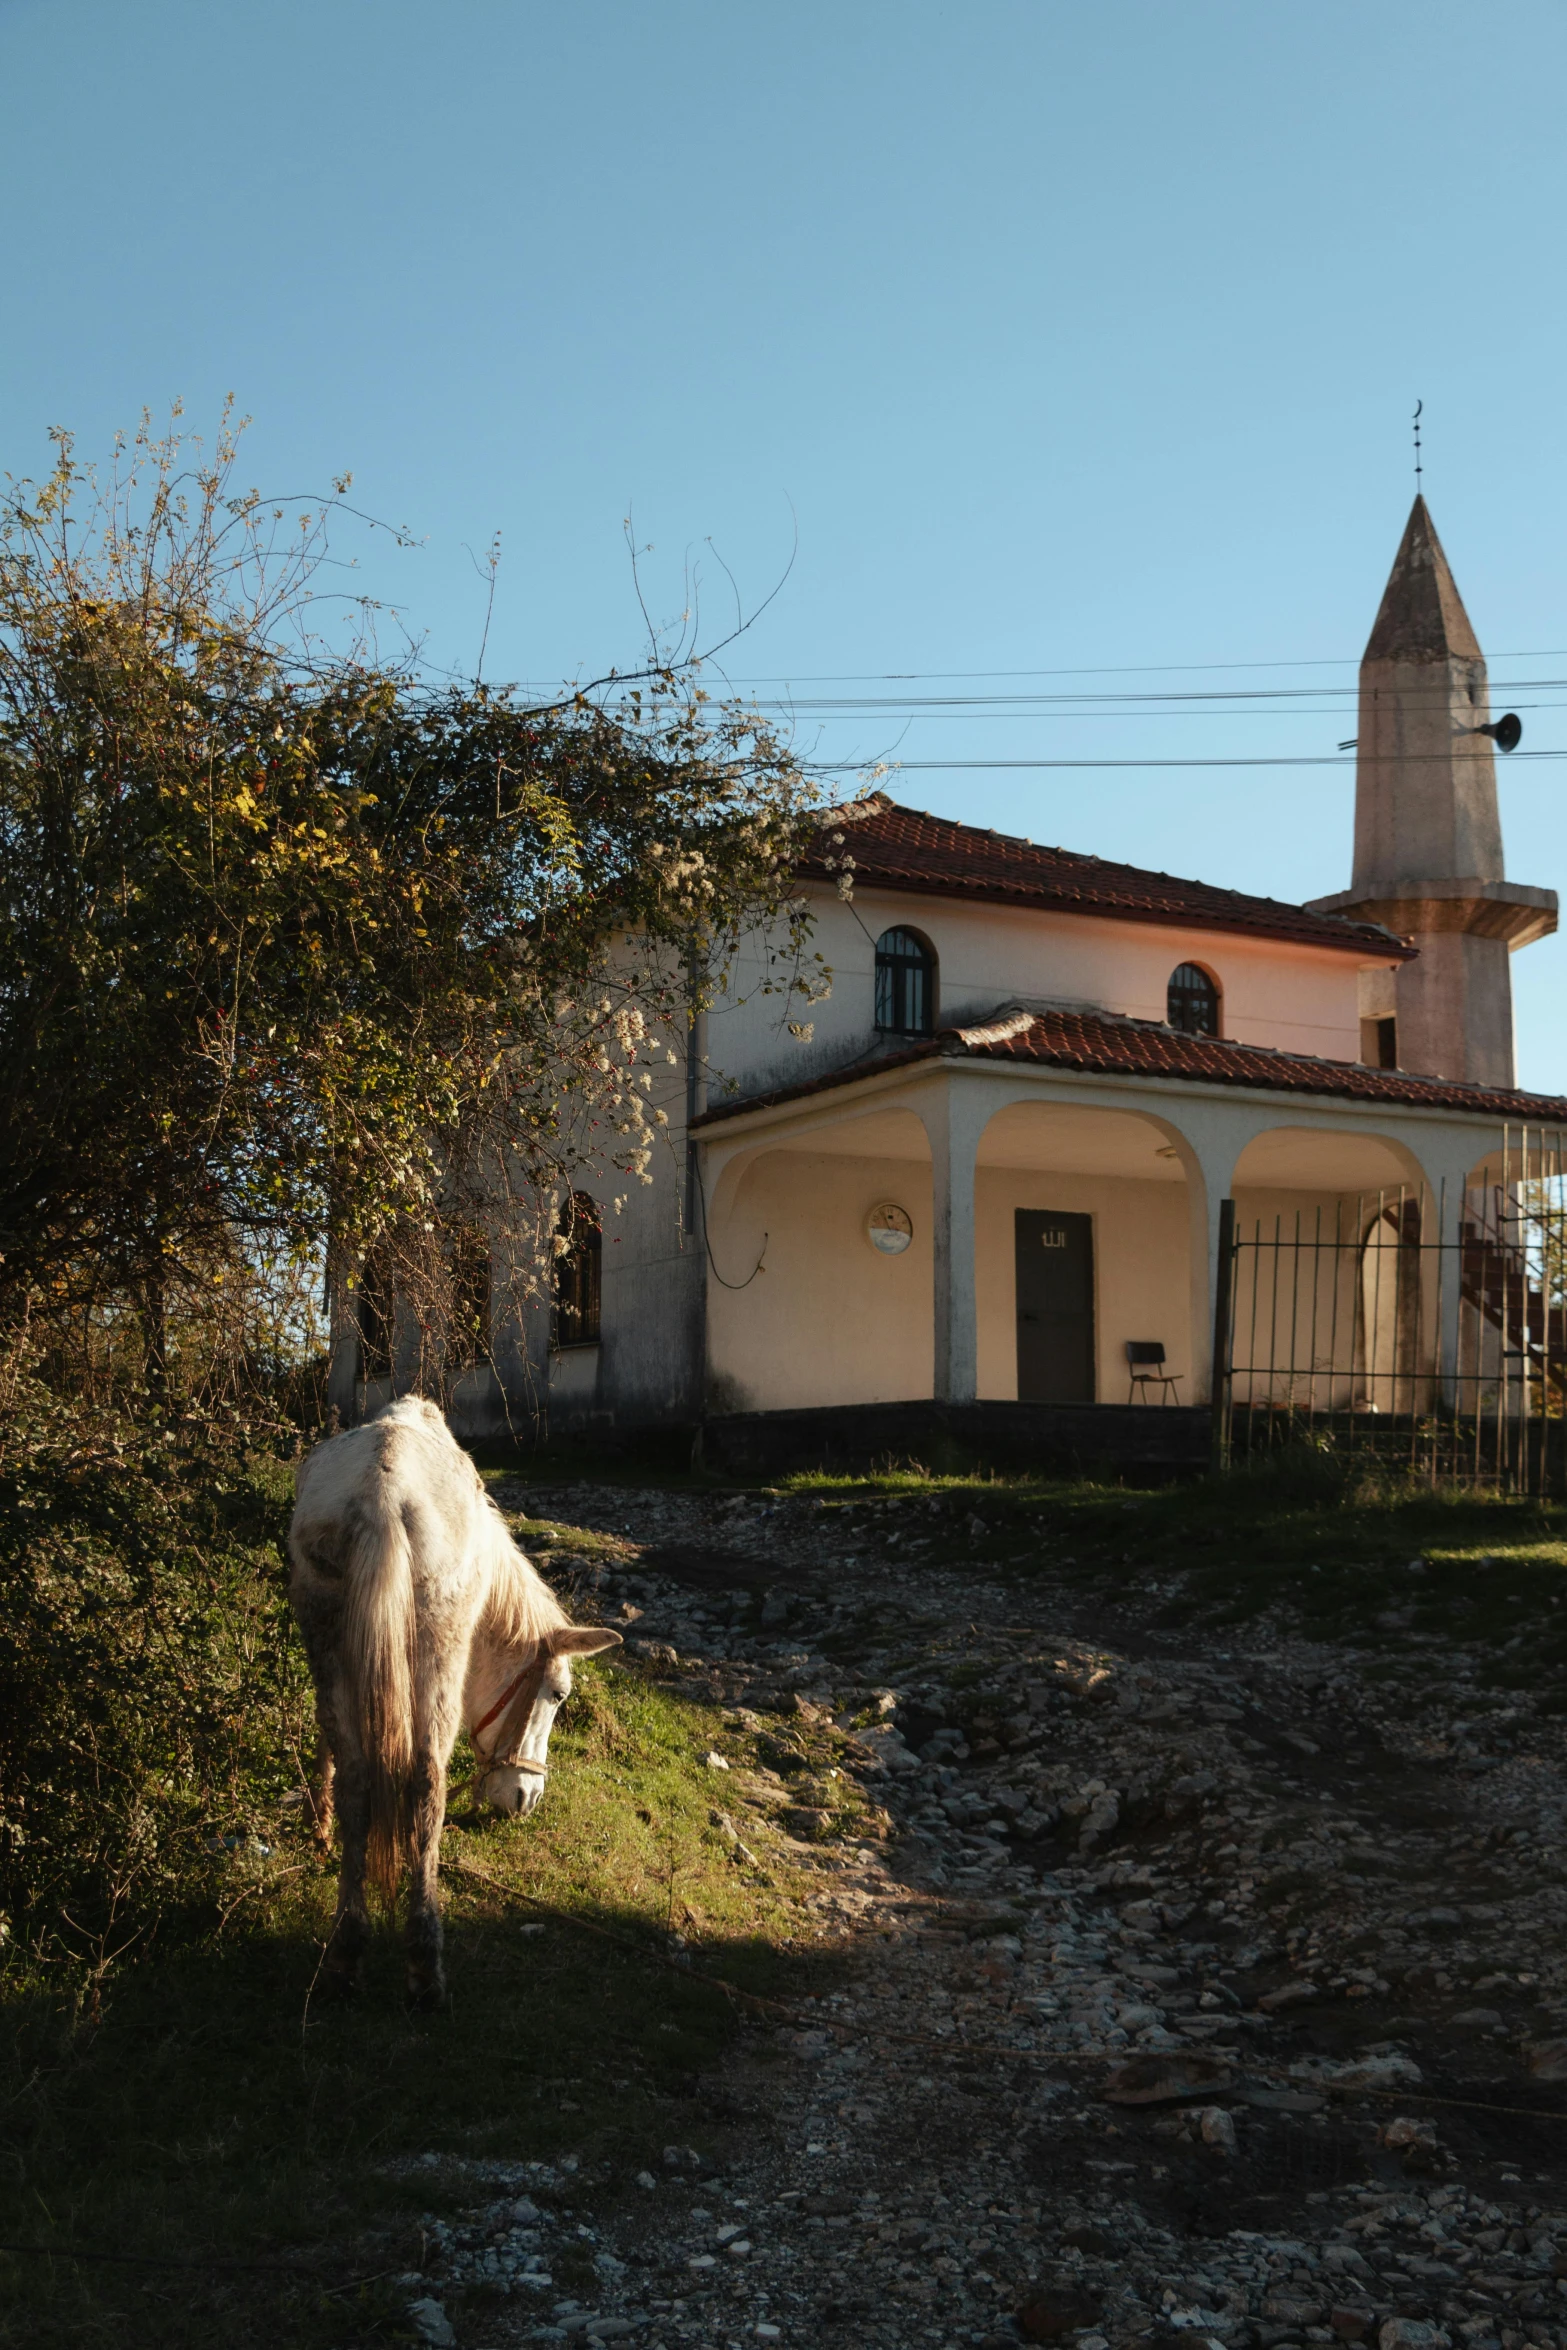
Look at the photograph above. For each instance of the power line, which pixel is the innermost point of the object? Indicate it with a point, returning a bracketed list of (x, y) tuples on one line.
[(1321, 700), (1327, 759), (1123, 669), (1135, 717)]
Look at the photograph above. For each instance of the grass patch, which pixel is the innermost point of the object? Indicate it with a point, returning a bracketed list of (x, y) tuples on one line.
[(211, 2115), (1334, 1550)]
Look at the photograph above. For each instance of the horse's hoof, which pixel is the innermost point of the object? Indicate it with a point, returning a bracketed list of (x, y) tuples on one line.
[(426, 1994)]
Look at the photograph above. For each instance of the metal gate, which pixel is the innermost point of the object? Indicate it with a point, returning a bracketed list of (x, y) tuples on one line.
[(1423, 1331)]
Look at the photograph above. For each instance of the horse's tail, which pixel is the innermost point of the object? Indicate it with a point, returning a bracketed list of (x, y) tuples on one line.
[(379, 1647)]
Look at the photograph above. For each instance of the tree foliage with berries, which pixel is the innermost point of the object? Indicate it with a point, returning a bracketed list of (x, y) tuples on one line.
[(302, 954)]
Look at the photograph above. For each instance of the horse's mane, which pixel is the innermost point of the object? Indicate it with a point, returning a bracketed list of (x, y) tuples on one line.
[(521, 1608)]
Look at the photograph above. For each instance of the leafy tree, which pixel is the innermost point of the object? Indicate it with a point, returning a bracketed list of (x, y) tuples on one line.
[(297, 949), (153, 1695)]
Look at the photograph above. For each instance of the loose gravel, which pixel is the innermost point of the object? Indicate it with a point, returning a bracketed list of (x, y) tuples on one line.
[(1192, 1985)]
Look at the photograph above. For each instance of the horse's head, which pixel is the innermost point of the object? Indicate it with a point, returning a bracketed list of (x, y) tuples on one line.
[(513, 1778)]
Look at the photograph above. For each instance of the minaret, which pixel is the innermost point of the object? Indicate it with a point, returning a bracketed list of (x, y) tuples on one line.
[(1428, 838)]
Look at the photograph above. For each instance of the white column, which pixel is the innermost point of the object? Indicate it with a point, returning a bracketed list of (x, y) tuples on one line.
[(1446, 1164), (1210, 1139), (954, 1115)]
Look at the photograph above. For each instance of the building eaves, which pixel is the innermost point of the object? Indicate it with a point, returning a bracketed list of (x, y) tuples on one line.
[(1105, 1045)]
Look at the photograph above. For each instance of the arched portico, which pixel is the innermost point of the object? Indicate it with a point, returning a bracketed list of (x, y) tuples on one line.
[(966, 1153), (805, 1310)]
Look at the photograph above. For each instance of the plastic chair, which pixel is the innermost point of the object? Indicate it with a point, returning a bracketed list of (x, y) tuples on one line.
[(1145, 1363)]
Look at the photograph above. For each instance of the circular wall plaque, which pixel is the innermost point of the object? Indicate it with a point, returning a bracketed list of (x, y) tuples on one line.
[(890, 1229)]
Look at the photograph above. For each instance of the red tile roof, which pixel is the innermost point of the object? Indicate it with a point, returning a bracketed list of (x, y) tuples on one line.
[(1105, 1045), (903, 848)]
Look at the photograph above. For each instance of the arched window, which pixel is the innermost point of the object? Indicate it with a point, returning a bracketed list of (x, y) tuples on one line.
[(577, 1268), (1192, 1004), (905, 984)]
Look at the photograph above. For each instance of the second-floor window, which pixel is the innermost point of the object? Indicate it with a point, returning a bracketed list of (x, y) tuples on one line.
[(905, 984), (1193, 1001)]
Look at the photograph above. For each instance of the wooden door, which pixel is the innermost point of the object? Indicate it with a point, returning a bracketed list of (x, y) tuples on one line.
[(1055, 1307)]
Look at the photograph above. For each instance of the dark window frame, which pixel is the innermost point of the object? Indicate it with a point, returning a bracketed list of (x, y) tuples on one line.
[(576, 1317), (1194, 1001), (1379, 1041), (905, 983)]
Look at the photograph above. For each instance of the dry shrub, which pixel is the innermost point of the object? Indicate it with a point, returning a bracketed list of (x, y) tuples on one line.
[(153, 1699)]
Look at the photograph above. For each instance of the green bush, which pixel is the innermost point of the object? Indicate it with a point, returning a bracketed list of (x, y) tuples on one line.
[(153, 1699)]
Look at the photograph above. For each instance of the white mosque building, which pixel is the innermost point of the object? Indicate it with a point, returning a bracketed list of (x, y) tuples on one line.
[(987, 1193)]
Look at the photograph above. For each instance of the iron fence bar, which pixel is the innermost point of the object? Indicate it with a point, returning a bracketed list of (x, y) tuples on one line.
[(1478, 1318), (1374, 1325), (1525, 1431), (1551, 1256), (1420, 1391), (1223, 1348), (1405, 1352), (1439, 1413), (1395, 1225), (1316, 1296), (1256, 1284), (1273, 1325), (1554, 1279), (1294, 1316), (1338, 1277), (1501, 1359)]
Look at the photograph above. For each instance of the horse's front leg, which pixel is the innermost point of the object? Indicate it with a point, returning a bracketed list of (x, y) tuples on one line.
[(422, 1933)]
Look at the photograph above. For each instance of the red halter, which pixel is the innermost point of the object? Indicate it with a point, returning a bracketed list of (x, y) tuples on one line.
[(501, 1703), (540, 1770)]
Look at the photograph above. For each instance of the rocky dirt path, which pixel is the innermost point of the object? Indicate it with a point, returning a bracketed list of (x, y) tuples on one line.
[(1196, 1984)]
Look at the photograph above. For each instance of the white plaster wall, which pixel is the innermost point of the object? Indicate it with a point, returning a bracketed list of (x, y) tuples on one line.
[(574, 1376), (647, 1367), (830, 1321), (1298, 999)]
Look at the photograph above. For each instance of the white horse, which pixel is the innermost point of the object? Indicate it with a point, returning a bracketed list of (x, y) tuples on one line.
[(420, 1615)]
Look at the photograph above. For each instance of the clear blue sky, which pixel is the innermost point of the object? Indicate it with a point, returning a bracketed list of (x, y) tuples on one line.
[(1068, 337)]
